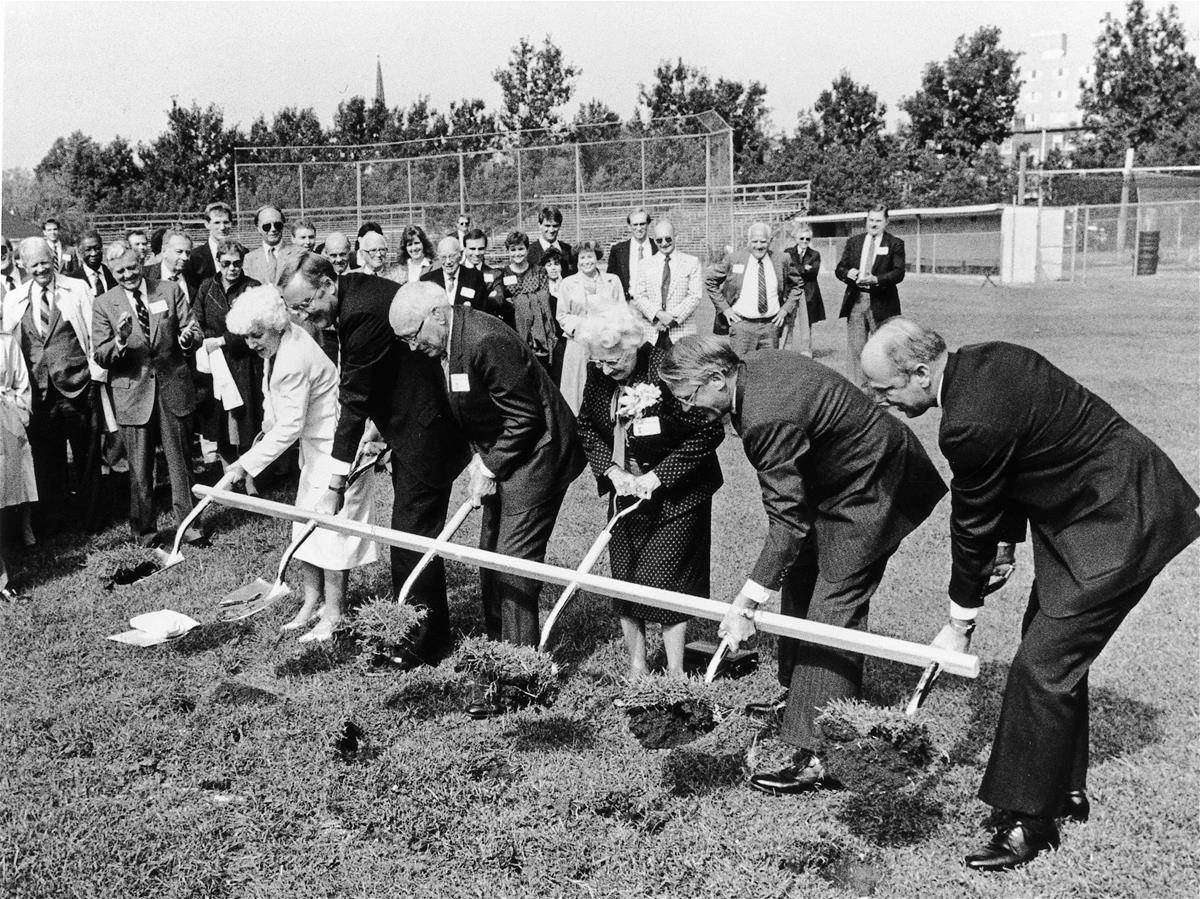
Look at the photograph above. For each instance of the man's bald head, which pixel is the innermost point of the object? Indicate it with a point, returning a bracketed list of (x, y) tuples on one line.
[(449, 254), (38, 259), (903, 364), (337, 251)]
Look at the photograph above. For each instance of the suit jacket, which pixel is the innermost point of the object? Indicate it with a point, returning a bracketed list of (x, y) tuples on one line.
[(618, 263), (153, 274), (723, 283), (888, 268), (402, 391), (570, 263), (84, 274), (808, 266), (200, 266), (150, 362), (493, 281), (1107, 509), (510, 411), (472, 289), (256, 266), (683, 453), (829, 460), (300, 399), (66, 348), (682, 298)]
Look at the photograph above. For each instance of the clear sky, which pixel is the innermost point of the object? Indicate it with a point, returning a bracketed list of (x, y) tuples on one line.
[(111, 68)]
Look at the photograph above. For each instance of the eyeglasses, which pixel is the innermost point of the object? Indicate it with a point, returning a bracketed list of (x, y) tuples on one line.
[(803, 239), (638, 224), (301, 308), (230, 263), (380, 252), (691, 399), (667, 241), (411, 339), (271, 226)]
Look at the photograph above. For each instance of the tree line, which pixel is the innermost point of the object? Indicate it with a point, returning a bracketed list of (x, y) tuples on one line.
[(1144, 92)]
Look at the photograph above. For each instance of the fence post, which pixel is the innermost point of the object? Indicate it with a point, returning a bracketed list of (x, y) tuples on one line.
[(520, 195), (643, 142), (1037, 231), (408, 164), (237, 196), (300, 172), (462, 182), (707, 184), (1074, 239), (578, 197), (358, 192), (1087, 220)]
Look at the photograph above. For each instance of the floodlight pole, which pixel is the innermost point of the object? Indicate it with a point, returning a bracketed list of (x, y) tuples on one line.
[(578, 197), (520, 191), (300, 172), (462, 182), (358, 191), (643, 143)]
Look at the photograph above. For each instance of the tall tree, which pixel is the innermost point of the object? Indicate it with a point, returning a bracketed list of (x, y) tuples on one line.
[(290, 126), (1145, 87), (848, 113), (536, 82), (191, 163), (471, 126), (969, 100), (596, 120)]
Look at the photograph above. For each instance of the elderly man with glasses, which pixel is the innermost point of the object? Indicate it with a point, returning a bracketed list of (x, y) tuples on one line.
[(403, 394), (626, 258), (668, 289), (806, 263), (263, 263)]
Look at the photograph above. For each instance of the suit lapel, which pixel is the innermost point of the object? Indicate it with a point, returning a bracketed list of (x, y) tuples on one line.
[(151, 294), (454, 358)]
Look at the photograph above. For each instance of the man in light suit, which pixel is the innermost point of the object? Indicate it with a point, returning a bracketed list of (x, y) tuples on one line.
[(523, 435), (871, 266), (263, 263), (141, 334), (1107, 511), (403, 393), (49, 314), (755, 291), (842, 484), (202, 263), (627, 256), (668, 288)]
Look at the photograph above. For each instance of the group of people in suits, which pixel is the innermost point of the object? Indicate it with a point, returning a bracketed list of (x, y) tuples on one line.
[(453, 371)]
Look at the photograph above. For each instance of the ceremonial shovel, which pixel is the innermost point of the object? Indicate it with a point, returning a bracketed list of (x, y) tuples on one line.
[(585, 566), (174, 557), (447, 532)]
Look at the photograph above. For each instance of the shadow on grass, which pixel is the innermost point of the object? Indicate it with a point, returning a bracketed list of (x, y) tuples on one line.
[(552, 732), (210, 636), (315, 658)]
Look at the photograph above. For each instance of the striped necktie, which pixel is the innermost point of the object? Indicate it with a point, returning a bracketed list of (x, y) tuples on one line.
[(762, 288), (44, 311), (666, 281), (143, 314)]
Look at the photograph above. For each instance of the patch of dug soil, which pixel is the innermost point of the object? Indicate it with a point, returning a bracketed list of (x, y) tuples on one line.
[(667, 725)]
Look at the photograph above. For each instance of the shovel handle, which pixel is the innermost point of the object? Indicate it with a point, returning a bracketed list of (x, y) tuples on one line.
[(447, 532), (714, 663), (226, 480), (924, 685), (291, 550)]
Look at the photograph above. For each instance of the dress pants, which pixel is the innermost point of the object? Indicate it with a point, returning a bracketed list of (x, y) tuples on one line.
[(748, 335), (816, 674), (860, 324), (56, 422), (174, 432), (510, 602), (1041, 747), (419, 508)]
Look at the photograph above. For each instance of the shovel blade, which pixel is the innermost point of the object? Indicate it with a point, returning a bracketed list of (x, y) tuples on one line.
[(255, 597)]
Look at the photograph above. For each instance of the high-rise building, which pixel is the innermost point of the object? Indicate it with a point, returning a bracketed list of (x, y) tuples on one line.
[(1048, 114)]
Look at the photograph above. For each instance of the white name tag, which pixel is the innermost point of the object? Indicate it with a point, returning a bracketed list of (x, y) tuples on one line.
[(459, 383), (467, 291), (488, 278), (739, 268), (510, 280), (647, 427), (158, 308), (881, 250)]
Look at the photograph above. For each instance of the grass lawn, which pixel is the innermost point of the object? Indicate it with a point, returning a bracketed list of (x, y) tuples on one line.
[(232, 763)]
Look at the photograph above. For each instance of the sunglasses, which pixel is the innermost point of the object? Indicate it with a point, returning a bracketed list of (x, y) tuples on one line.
[(803, 239), (664, 240), (230, 263), (271, 226)]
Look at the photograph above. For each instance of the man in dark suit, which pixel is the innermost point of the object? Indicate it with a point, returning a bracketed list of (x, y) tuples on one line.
[(626, 256), (871, 266), (550, 221), (202, 263), (522, 433), (49, 315), (842, 484), (463, 286), (172, 265), (93, 272), (806, 263), (1107, 511), (141, 333), (474, 257), (403, 393)]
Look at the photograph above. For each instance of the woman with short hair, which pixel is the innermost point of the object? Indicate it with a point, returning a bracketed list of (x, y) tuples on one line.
[(642, 443), (587, 292), (529, 291), (301, 403)]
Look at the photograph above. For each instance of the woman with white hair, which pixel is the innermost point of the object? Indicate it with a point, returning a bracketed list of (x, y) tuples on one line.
[(300, 399), (588, 292), (642, 444)]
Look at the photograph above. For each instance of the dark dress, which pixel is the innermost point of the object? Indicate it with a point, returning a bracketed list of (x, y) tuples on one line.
[(534, 321), (665, 543), (212, 305)]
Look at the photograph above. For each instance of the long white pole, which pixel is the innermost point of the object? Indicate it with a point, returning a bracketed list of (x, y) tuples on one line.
[(870, 644)]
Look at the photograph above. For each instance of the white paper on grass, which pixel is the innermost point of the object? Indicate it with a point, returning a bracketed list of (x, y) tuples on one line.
[(152, 628)]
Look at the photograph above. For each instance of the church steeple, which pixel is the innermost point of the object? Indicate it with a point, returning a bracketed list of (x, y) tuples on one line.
[(379, 82)]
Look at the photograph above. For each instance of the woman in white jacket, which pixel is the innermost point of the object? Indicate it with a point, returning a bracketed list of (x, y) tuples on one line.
[(586, 293)]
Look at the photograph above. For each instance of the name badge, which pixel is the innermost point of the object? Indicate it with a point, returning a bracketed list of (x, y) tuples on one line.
[(739, 268), (510, 280), (647, 427), (468, 291), (881, 250), (488, 278), (459, 383), (158, 307)]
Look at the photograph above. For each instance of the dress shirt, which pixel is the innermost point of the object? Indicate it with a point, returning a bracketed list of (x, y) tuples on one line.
[(635, 264), (747, 304), (867, 260), (168, 275), (96, 279), (451, 284)]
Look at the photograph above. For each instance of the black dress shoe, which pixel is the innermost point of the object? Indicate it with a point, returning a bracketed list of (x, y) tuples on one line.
[(481, 710), (1014, 844), (802, 777), (1076, 807), (767, 709)]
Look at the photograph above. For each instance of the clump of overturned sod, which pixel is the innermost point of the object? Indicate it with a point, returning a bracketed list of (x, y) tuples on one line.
[(124, 563), (715, 760), (382, 624), (514, 676), (667, 712)]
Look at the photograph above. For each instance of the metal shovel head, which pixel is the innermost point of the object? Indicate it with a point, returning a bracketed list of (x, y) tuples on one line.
[(256, 596)]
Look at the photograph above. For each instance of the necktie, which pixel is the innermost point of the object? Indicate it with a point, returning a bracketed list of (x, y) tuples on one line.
[(174, 276), (271, 264), (870, 255), (666, 282), (44, 312), (9, 283), (641, 251), (99, 282), (762, 288), (143, 314)]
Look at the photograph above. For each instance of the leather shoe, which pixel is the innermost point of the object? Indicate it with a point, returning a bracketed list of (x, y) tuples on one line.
[(1076, 807), (481, 710), (803, 777), (1014, 844), (767, 709)]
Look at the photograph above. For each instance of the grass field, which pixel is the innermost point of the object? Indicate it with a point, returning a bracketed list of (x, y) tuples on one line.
[(232, 764)]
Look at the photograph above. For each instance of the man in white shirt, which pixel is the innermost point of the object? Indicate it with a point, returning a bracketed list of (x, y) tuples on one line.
[(177, 247), (337, 250), (304, 235), (627, 256), (373, 248), (262, 263), (667, 291), (474, 257), (136, 238), (50, 231)]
